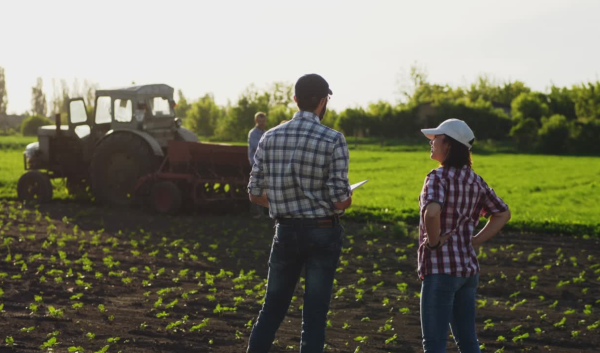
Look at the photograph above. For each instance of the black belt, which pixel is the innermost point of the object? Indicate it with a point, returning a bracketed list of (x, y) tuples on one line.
[(323, 222)]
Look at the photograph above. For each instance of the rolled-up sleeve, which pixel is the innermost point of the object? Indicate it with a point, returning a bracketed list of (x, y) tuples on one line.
[(491, 202), (258, 181), (434, 190), (337, 183)]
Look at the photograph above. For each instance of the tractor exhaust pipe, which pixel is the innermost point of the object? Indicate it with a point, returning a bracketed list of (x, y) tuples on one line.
[(57, 121)]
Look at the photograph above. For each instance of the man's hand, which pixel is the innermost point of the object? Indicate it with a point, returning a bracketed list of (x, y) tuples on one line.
[(344, 204), (260, 200)]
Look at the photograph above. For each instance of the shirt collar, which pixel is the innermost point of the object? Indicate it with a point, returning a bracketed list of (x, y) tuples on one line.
[(307, 115)]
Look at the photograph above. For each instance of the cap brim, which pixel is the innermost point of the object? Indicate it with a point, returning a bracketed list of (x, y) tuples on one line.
[(330, 92), (430, 133)]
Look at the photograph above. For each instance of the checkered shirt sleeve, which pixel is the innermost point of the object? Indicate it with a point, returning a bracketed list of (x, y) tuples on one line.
[(434, 190), (491, 202)]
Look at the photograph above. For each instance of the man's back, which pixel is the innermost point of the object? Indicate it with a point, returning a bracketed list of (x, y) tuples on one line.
[(304, 167)]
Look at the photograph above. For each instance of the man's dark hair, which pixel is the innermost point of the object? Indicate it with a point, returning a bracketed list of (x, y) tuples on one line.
[(459, 155), (308, 104)]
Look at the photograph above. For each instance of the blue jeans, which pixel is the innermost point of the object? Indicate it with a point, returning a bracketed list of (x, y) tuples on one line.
[(316, 249), (447, 300)]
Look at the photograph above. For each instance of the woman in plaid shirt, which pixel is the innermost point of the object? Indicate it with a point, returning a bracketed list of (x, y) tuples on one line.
[(451, 202)]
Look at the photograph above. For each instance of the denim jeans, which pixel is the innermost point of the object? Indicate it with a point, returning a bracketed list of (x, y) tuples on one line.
[(318, 251), (446, 299)]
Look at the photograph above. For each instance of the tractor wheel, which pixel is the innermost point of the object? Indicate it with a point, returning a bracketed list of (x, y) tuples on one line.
[(34, 186), (165, 197), (117, 164)]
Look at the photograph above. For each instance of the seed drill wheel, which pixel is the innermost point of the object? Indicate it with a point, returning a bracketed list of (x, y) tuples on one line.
[(34, 186), (117, 164), (165, 197)]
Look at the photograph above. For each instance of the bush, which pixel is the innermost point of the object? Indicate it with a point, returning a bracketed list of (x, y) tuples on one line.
[(30, 125), (529, 105), (525, 133), (278, 114), (351, 121), (485, 121), (554, 134), (584, 137), (202, 116)]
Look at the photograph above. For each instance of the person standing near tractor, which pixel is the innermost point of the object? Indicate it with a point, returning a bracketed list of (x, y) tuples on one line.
[(451, 202), (260, 121), (260, 125), (301, 174)]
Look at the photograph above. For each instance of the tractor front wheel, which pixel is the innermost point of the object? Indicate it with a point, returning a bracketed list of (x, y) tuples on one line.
[(34, 186), (165, 197)]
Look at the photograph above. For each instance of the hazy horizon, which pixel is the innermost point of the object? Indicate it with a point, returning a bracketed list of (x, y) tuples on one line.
[(362, 49)]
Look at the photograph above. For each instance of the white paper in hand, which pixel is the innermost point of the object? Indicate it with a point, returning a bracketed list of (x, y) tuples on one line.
[(354, 186)]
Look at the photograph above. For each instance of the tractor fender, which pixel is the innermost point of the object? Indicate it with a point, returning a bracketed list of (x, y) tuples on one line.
[(147, 137), (187, 135)]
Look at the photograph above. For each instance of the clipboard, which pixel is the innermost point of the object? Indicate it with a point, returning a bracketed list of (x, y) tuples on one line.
[(357, 185)]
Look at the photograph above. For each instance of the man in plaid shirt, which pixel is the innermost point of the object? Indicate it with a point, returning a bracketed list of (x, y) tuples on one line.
[(301, 174)]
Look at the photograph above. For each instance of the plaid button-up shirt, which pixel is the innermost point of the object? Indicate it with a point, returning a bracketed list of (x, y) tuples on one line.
[(303, 166), (464, 197)]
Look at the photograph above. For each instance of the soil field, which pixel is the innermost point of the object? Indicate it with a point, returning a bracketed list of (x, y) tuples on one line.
[(80, 278)]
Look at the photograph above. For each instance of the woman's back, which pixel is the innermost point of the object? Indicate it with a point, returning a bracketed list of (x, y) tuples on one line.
[(464, 197)]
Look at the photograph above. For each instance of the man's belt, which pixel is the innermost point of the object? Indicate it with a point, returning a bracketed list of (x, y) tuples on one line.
[(323, 222)]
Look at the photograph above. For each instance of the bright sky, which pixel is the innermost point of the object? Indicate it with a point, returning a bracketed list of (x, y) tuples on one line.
[(362, 48)]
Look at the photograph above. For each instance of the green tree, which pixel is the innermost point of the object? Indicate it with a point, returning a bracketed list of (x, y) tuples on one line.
[(182, 106), (529, 105), (525, 133), (277, 114), (487, 89), (560, 101), (240, 118), (30, 125), (352, 121), (38, 99), (587, 100), (3, 93), (554, 134), (203, 116), (280, 94), (380, 119), (584, 136), (331, 118)]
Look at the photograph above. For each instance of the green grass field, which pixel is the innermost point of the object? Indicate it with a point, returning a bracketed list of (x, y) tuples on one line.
[(540, 190), (545, 193)]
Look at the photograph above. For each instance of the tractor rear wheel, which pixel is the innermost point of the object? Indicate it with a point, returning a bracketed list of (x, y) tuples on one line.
[(34, 186), (117, 164), (165, 197)]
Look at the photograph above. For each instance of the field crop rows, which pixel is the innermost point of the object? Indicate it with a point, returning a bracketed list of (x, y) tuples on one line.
[(79, 278)]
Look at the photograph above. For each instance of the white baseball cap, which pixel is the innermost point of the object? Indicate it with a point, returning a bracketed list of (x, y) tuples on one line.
[(457, 129)]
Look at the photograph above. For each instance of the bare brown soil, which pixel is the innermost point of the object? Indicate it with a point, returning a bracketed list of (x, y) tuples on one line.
[(174, 255)]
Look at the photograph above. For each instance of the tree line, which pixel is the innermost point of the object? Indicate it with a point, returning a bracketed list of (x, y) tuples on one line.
[(560, 120)]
